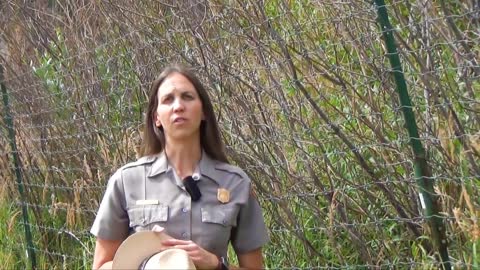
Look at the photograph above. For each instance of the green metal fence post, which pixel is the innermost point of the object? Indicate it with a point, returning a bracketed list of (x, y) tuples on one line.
[(18, 174), (428, 199)]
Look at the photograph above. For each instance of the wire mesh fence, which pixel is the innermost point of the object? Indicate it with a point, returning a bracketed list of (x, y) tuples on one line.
[(307, 104)]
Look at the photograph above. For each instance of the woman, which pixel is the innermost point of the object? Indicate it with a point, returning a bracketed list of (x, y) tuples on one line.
[(183, 184)]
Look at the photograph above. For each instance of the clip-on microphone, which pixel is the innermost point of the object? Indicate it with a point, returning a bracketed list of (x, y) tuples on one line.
[(192, 188)]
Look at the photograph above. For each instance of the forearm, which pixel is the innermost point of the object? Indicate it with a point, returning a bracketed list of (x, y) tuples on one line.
[(104, 251), (234, 267), (250, 260)]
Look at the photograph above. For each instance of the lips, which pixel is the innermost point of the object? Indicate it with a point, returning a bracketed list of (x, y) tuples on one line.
[(179, 120)]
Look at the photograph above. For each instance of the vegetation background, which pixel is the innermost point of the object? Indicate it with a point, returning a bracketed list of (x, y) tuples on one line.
[(307, 105)]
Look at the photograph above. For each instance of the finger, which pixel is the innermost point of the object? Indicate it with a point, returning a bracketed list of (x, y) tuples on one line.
[(195, 256), (163, 248), (188, 247), (173, 242), (158, 228), (197, 252)]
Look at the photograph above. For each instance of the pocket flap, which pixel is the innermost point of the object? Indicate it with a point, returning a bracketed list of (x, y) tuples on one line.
[(220, 214), (144, 215)]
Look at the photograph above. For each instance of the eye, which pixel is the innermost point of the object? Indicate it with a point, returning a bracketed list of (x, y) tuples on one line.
[(188, 96), (167, 99)]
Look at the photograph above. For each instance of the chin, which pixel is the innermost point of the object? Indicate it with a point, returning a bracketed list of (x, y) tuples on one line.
[(181, 136)]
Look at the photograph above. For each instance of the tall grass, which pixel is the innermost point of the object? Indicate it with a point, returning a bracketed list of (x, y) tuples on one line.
[(12, 244)]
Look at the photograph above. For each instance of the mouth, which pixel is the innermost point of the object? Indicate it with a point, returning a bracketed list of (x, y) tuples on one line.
[(179, 120)]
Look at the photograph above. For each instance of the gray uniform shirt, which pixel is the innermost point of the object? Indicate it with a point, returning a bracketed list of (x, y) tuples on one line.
[(149, 192)]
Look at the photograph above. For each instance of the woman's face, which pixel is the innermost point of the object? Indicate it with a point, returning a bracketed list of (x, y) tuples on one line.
[(179, 109)]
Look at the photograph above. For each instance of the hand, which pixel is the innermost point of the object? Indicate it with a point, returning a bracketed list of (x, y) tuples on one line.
[(200, 257), (158, 228)]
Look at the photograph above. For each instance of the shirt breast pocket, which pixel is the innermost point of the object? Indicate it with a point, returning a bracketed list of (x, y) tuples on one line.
[(145, 217), (223, 215), (217, 223)]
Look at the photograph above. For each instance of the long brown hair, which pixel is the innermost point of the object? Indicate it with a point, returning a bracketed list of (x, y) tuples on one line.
[(210, 138)]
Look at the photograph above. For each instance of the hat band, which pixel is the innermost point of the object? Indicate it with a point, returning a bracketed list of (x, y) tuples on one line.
[(144, 262)]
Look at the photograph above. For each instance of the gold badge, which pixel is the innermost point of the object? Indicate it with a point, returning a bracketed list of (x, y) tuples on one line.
[(223, 195)]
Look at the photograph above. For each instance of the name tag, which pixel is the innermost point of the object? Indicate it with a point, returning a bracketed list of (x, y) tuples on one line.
[(146, 202)]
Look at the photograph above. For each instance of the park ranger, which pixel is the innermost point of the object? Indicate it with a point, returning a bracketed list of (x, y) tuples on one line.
[(183, 184)]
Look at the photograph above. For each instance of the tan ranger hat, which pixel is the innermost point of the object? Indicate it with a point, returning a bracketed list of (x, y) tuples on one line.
[(143, 250)]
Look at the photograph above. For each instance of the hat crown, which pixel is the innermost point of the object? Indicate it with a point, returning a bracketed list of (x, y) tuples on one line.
[(169, 259)]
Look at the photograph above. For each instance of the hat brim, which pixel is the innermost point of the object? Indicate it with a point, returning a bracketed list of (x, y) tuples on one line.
[(137, 247)]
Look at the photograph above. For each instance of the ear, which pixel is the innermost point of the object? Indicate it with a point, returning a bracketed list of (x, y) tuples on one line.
[(156, 120)]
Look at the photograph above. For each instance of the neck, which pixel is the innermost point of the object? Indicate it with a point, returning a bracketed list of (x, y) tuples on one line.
[(183, 157)]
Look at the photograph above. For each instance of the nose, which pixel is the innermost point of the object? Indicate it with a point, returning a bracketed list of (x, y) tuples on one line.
[(178, 105)]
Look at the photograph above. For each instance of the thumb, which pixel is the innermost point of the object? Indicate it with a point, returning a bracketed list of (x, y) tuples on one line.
[(158, 228)]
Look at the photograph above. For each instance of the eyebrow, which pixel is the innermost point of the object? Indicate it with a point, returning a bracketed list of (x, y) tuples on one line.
[(182, 92)]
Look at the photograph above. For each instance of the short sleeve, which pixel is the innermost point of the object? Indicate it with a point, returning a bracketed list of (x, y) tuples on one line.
[(251, 232), (111, 222)]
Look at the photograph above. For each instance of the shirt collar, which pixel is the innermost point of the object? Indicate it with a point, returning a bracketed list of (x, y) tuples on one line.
[(160, 165), (206, 166)]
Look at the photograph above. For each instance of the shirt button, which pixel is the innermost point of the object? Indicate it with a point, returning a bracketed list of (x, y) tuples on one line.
[(184, 210), (224, 222), (184, 235)]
